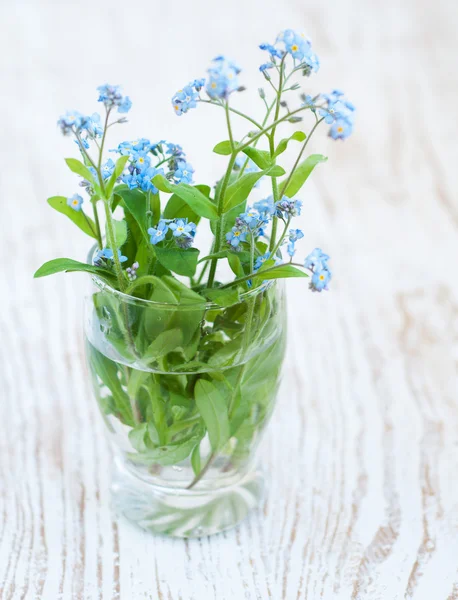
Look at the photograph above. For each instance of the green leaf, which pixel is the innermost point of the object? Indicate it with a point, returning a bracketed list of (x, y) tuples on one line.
[(119, 168), (299, 136), (163, 184), (167, 455), (280, 272), (213, 411), (261, 158), (164, 343), (68, 265), (275, 171), (78, 217), (235, 264), (136, 202), (120, 232), (301, 174), (194, 198), (224, 148), (80, 169), (226, 297), (177, 208), (107, 370), (239, 191), (182, 262)]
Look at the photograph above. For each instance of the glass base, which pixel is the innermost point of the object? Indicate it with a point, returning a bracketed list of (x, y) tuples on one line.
[(183, 513)]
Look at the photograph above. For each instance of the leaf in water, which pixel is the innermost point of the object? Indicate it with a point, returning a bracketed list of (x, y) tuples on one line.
[(195, 459), (78, 217), (213, 411), (137, 437), (301, 175), (170, 454), (182, 262), (226, 297), (57, 265), (164, 343), (299, 136)]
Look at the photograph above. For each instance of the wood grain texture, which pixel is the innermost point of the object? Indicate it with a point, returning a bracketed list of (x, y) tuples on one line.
[(362, 451)]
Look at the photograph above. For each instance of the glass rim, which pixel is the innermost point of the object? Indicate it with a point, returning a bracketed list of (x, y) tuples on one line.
[(207, 305)]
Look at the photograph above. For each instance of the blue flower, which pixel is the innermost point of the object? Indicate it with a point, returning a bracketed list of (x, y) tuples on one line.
[(266, 206), (181, 227), (158, 234), (184, 172), (316, 260), (144, 179), (320, 279), (300, 48), (112, 97), (274, 52), (290, 208), (107, 254), (125, 105), (264, 67), (174, 150), (235, 236), (75, 202), (261, 260), (142, 160), (187, 98), (338, 113), (294, 235), (251, 218), (71, 121), (341, 129), (84, 143), (198, 84), (222, 78), (107, 169), (93, 126)]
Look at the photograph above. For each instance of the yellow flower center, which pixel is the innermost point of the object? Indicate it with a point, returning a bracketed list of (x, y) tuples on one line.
[(75, 202), (236, 233), (213, 84), (185, 173), (340, 129), (176, 107), (141, 160), (180, 229), (321, 278), (294, 48)]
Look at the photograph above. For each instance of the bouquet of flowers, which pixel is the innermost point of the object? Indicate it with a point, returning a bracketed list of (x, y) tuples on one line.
[(185, 362)]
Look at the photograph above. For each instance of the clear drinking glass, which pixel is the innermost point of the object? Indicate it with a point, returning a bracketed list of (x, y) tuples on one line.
[(186, 388)]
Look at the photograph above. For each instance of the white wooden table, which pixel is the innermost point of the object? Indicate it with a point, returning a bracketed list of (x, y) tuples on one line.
[(362, 450)]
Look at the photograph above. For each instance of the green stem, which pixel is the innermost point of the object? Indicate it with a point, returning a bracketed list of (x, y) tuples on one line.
[(233, 110), (208, 464), (114, 248), (97, 225)]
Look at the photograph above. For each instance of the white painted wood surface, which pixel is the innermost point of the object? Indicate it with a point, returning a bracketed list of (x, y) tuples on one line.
[(362, 450)]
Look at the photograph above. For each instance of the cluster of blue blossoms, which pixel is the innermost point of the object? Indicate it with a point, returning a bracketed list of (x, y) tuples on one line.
[(107, 254), (140, 172), (75, 122), (298, 46), (317, 263), (182, 232), (336, 111), (222, 80), (188, 97)]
